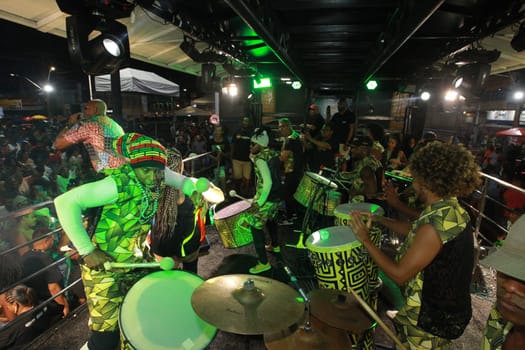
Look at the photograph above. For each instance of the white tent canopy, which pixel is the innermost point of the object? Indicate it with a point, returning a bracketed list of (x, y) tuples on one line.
[(134, 80)]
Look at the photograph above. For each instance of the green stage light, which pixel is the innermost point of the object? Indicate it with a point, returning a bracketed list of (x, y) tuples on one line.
[(371, 85), (296, 85), (262, 83)]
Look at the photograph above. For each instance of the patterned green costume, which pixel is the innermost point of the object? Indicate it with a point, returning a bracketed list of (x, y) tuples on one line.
[(257, 218), (449, 219), (495, 332), (121, 234)]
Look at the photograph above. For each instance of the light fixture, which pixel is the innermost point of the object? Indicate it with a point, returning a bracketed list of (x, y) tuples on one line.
[(518, 95), (230, 88), (425, 96), (451, 95), (371, 85), (262, 83), (470, 78), (296, 85), (103, 54)]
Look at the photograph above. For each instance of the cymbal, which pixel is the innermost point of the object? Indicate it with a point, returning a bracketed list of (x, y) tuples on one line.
[(339, 309), (247, 304)]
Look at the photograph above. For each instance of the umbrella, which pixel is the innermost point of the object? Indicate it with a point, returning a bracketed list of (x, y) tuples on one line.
[(511, 132), (39, 117)]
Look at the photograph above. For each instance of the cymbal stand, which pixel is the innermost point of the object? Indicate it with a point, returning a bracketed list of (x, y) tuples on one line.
[(293, 280)]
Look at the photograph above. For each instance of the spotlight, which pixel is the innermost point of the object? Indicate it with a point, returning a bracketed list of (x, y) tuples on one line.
[(103, 54), (470, 78), (425, 96), (518, 95)]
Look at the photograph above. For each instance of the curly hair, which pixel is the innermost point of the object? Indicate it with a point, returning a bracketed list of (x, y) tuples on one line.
[(446, 169)]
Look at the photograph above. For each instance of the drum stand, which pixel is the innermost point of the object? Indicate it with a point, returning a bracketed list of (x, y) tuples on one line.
[(320, 190)]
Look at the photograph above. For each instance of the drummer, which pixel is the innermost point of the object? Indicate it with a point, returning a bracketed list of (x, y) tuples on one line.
[(129, 196), (441, 172), (367, 169), (267, 197), (176, 232)]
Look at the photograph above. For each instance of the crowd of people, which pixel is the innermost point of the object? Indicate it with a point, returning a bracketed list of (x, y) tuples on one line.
[(141, 207)]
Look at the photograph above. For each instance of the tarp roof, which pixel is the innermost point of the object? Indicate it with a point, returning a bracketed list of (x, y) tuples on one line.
[(135, 80), (193, 111)]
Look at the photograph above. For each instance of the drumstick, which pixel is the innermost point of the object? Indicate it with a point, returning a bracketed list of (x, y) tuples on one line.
[(166, 263), (373, 314), (233, 193)]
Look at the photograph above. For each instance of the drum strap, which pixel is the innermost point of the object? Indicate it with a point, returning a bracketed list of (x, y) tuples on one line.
[(196, 215)]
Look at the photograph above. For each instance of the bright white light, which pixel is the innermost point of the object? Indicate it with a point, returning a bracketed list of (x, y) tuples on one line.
[(230, 90), (425, 95), (49, 88), (111, 47), (451, 95), (458, 82), (296, 85), (518, 95)]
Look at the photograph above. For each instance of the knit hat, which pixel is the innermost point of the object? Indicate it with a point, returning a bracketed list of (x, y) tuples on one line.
[(142, 151), (260, 137), (510, 258)]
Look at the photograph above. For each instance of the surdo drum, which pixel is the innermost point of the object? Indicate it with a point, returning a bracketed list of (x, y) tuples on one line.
[(325, 192), (233, 235), (156, 314), (342, 218), (338, 260)]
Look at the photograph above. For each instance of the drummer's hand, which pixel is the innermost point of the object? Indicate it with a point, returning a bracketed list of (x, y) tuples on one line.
[(96, 259), (360, 228)]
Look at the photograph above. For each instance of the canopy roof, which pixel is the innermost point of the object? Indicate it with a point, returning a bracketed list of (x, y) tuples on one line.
[(135, 80)]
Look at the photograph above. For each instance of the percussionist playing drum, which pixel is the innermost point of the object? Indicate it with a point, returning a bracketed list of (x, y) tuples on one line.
[(267, 195), (129, 196)]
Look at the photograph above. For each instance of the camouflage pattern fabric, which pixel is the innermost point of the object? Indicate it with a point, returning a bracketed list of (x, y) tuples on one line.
[(449, 219), (368, 161), (495, 332)]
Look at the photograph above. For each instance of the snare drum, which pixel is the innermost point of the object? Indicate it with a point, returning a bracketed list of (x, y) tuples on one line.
[(338, 260), (156, 314), (342, 216), (310, 187), (233, 235)]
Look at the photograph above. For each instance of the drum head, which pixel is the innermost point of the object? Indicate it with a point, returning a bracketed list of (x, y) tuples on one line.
[(231, 210), (344, 210), (321, 180), (330, 239), (156, 314)]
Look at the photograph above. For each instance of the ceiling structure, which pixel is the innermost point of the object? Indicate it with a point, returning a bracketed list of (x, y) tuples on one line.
[(332, 46)]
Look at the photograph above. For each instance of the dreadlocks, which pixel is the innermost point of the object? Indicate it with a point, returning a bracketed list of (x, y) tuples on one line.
[(166, 217), (10, 270)]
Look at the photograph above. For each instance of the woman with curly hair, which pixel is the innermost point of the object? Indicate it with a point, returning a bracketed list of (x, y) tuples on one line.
[(435, 263)]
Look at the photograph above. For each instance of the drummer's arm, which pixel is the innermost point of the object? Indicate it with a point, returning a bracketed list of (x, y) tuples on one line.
[(397, 226), (392, 198), (266, 181)]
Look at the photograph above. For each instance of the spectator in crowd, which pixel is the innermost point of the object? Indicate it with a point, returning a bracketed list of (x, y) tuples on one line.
[(50, 281), (435, 263), (96, 131), (314, 122), (220, 146), (292, 158), (505, 327), (240, 155), (344, 124), (514, 200), (323, 149), (409, 144), (394, 156), (18, 303)]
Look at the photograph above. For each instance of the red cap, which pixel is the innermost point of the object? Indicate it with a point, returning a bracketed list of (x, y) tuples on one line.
[(313, 106)]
